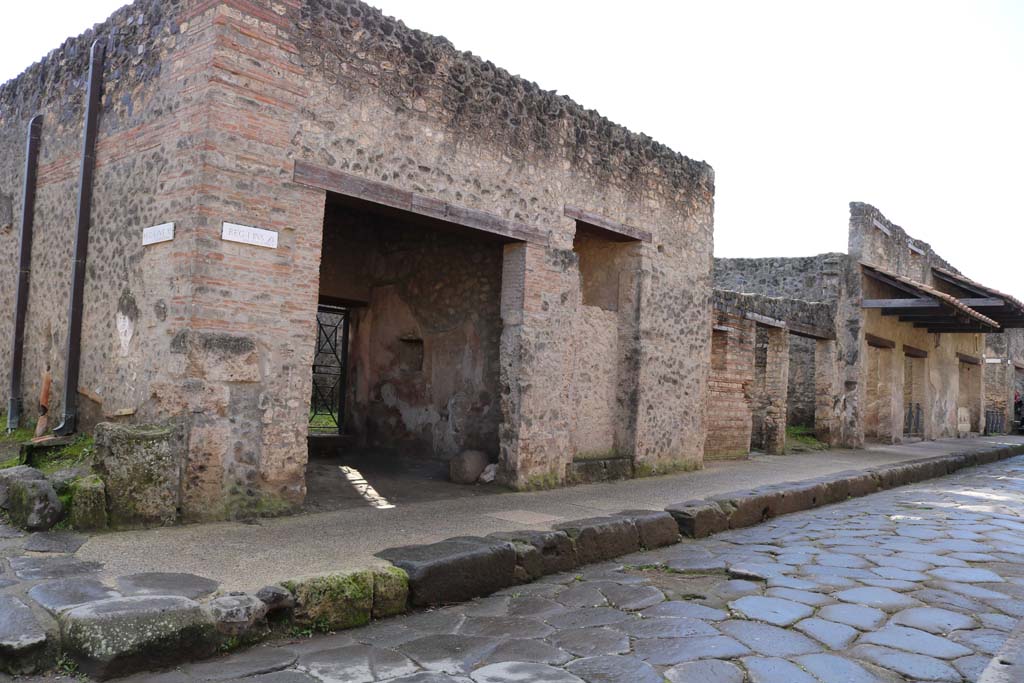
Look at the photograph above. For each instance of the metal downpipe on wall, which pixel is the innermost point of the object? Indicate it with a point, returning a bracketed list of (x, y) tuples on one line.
[(28, 210), (73, 355)]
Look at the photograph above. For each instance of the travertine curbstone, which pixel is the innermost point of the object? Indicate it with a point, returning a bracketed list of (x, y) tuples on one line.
[(553, 551), (390, 592), (335, 601), (747, 508), (602, 538), (656, 528), (698, 518)]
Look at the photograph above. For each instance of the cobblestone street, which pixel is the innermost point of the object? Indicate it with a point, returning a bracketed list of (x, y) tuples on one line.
[(922, 583)]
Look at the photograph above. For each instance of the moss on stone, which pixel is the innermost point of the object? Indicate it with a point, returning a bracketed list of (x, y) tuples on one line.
[(643, 469), (88, 504), (390, 591), (335, 601), (537, 482)]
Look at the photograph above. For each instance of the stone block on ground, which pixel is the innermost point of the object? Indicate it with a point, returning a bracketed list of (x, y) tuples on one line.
[(800, 495), (335, 601), (12, 474), (141, 469), (119, 636), (33, 504), (455, 569), (238, 617), (59, 595), (277, 599), (602, 538), (657, 528), (467, 466), (88, 504), (860, 483), (554, 551), (23, 641), (596, 470), (835, 489), (390, 592), (747, 508), (55, 542), (698, 518), (167, 583)]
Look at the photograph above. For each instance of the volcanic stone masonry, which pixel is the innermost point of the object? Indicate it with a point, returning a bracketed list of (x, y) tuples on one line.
[(537, 278)]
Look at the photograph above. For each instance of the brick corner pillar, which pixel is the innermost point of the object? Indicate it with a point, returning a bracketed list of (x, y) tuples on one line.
[(827, 393), (539, 297), (776, 390)]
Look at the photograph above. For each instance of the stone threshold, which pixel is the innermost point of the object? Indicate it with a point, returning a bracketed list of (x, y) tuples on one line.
[(167, 620)]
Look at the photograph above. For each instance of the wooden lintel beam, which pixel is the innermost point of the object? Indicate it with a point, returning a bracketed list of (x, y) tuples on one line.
[(965, 358), (961, 284), (884, 279), (879, 342), (914, 352), (915, 303), (616, 228), (393, 197), (983, 302)]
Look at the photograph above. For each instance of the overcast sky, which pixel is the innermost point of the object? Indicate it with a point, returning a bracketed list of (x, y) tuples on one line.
[(916, 107)]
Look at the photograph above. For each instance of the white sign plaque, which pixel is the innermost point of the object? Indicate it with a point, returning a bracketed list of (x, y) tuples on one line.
[(158, 233), (232, 232)]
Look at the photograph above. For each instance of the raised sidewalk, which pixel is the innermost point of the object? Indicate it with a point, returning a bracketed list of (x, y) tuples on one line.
[(247, 556)]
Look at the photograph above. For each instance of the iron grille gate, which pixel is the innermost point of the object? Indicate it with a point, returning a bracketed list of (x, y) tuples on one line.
[(327, 405)]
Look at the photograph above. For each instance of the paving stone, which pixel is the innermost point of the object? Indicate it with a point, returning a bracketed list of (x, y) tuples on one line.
[(705, 671), (892, 584), (505, 627), (455, 569), (451, 654), (262, 660), (971, 667), (775, 670), (665, 627), (119, 636), (528, 606), (841, 560), (932, 558), (632, 598), (356, 664), (519, 672), (899, 574), (913, 666), (588, 616), (62, 594), (55, 567), (769, 640), (756, 571), (430, 677), (971, 591), (949, 600), (671, 651), (285, 677), (167, 583), (793, 583), (882, 598), (916, 641), (966, 575), (830, 668), (22, 638), (436, 621), (385, 634), (55, 542), (696, 565), (614, 669), (836, 636), (582, 595), (589, 642), (983, 640), (801, 596), (682, 608), (527, 650), (737, 588), (999, 622), (933, 620), (772, 610)]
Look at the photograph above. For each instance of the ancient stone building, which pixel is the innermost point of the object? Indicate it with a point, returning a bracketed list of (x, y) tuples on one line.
[(492, 265), (913, 348)]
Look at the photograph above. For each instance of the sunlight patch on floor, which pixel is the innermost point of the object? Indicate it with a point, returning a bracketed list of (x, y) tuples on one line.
[(364, 489)]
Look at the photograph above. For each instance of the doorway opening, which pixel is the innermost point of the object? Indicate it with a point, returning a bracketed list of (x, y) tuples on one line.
[(878, 418), (913, 393), (969, 397)]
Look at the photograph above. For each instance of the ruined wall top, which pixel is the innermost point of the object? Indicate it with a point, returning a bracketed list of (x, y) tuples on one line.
[(814, 317), (877, 240), (809, 278)]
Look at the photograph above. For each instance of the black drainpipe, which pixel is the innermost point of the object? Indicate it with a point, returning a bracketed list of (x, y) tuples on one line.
[(69, 420), (28, 210)]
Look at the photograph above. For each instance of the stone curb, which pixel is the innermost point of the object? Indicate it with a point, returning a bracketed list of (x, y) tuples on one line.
[(1008, 664), (449, 571)]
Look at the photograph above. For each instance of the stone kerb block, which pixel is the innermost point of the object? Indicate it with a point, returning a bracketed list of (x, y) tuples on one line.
[(455, 569), (602, 538), (14, 474), (656, 528), (835, 489), (141, 469), (747, 508), (553, 551), (23, 641), (698, 518), (797, 496), (33, 504), (238, 616), (88, 504), (860, 483), (390, 592), (335, 601)]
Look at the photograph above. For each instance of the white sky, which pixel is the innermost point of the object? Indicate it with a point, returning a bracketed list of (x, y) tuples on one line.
[(916, 107)]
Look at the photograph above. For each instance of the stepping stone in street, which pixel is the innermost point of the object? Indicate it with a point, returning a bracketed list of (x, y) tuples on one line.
[(61, 594), (771, 610), (836, 636), (671, 651), (22, 639), (56, 567), (167, 583), (912, 666), (775, 670), (966, 575), (915, 641), (528, 650), (356, 663), (590, 642), (665, 627), (705, 671), (881, 598), (934, 620), (55, 542), (615, 669), (769, 640), (518, 672), (835, 668)]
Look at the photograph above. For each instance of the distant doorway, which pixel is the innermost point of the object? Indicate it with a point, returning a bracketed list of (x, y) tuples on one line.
[(330, 363)]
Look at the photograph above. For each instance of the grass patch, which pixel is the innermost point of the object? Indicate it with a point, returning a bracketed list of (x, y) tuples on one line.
[(18, 435), (76, 453), (802, 440)]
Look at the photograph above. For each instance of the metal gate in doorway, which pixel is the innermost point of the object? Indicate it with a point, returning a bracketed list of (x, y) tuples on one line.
[(327, 405)]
